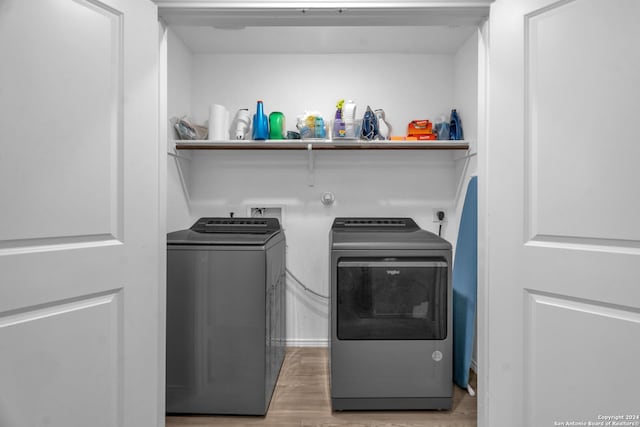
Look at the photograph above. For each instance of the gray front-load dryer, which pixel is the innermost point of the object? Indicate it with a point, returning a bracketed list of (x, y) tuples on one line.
[(390, 319), (225, 315)]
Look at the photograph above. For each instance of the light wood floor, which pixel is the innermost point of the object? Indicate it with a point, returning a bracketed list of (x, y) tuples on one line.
[(301, 399)]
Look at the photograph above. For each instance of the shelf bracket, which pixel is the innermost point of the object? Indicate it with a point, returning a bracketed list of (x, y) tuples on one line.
[(181, 175), (178, 156), (311, 174)]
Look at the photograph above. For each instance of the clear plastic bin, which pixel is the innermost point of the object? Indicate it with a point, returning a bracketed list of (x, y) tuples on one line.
[(350, 135)]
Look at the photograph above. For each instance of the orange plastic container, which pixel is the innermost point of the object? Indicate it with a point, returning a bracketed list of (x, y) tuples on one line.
[(429, 137), (420, 127)]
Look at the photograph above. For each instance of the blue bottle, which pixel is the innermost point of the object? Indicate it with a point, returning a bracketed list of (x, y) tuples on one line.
[(260, 124), (455, 127), (369, 125), (319, 130)]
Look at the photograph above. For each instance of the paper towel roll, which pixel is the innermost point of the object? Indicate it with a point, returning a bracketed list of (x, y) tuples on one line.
[(218, 122)]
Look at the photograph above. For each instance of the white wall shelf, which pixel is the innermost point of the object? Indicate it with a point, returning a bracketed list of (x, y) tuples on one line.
[(321, 145), (313, 145)]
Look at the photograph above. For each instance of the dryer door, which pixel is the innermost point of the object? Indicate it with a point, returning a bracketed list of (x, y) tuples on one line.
[(392, 299)]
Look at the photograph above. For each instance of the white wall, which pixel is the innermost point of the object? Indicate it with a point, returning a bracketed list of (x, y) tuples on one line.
[(365, 183), (465, 97), (469, 96), (406, 86), (178, 104)]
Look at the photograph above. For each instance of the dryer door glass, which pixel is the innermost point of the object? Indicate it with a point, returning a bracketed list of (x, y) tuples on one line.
[(392, 299)]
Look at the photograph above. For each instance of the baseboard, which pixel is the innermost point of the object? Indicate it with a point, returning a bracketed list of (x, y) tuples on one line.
[(306, 342), (474, 366)]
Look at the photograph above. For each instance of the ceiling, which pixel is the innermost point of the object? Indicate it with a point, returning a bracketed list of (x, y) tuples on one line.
[(324, 39), (252, 27)]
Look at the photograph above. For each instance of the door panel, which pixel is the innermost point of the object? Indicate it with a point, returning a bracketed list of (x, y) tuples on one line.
[(573, 346), (80, 232), (580, 134), (563, 247), (60, 353), (64, 121)]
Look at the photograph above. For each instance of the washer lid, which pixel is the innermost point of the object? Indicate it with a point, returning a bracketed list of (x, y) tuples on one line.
[(236, 225), (227, 231), (375, 224)]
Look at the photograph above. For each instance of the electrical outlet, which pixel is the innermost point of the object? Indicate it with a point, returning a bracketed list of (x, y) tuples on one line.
[(435, 215), (265, 211), (257, 212)]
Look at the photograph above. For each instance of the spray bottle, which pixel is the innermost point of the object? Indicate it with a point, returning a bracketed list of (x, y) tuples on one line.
[(338, 123), (241, 124)]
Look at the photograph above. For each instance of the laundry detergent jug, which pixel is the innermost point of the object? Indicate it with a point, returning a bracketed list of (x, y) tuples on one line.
[(260, 124), (277, 127)]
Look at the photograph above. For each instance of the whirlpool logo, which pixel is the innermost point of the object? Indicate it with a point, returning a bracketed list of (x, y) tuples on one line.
[(393, 272)]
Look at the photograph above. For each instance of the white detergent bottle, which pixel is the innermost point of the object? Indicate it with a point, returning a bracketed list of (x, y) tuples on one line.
[(349, 118)]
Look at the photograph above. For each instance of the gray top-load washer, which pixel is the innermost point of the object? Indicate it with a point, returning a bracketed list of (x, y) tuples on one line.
[(225, 315), (390, 320)]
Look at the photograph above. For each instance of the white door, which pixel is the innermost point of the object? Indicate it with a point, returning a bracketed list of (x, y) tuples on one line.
[(81, 342), (562, 314)]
